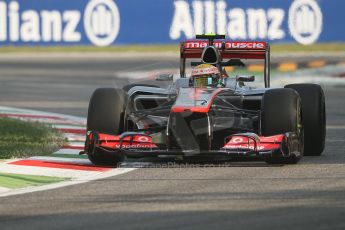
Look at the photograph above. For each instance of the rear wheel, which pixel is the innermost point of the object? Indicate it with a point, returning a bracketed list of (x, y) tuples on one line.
[(105, 115), (281, 113), (314, 117)]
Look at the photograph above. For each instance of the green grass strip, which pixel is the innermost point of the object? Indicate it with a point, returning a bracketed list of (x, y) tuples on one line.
[(24, 139), (9, 180), (276, 48)]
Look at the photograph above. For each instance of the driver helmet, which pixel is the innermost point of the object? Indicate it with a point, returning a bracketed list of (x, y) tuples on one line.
[(205, 75)]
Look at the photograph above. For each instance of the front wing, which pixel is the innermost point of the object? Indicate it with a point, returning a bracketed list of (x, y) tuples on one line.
[(240, 145)]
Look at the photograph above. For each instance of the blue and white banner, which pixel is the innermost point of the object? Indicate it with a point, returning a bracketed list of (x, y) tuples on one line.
[(112, 22)]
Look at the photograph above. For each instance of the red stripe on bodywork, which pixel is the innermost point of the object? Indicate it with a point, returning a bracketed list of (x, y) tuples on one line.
[(60, 165), (113, 141), (192, 109), (264, 143)]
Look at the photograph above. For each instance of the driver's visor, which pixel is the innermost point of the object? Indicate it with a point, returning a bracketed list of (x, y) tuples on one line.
[(204, 81)]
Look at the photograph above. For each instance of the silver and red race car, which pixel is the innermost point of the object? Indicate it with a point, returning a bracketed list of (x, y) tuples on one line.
[(227, 119)]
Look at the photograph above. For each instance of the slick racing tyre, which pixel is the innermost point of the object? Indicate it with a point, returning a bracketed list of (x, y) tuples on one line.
[(106, 115), (314, 117), (281, 113), (106, 111)]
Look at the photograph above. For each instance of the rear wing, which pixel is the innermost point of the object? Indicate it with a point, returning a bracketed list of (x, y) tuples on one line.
[(228, 50)]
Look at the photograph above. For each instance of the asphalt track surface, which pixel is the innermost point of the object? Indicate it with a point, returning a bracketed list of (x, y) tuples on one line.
[(309, 195)]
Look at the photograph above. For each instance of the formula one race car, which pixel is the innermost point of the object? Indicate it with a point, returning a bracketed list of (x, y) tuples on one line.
[(208, 114)]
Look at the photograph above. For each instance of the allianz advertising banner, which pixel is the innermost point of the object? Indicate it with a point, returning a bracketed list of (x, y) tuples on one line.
[(112, 22)]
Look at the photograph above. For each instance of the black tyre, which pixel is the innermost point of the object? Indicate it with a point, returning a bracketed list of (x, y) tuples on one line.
[(281, 113), (106, 115), (106, 111), (314, 117)]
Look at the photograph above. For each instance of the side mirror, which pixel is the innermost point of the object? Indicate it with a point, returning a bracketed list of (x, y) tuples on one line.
[(165, 77), (245, 78)]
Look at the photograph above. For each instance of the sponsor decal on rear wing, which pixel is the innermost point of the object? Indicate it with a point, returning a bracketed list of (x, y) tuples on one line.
[(228, 49), (226, 45)]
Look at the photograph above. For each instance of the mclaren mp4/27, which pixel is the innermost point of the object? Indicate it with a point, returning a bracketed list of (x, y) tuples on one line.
[(208, 113)]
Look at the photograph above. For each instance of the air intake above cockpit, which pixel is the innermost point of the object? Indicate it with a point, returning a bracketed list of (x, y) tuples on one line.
[(210, 55)]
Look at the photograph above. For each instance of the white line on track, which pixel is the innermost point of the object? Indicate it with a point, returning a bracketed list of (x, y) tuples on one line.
[(114, 172), (335, 140), (68, 151), (52, 172), (76, 143), (335, 126), (69, 127), (3, 190), (85, 162)]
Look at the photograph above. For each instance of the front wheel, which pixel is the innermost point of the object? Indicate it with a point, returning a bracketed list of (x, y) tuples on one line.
[(105, 115), (314, 117), (281, 113)]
